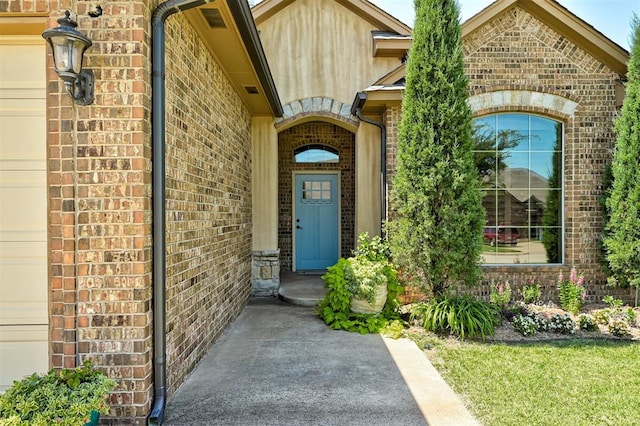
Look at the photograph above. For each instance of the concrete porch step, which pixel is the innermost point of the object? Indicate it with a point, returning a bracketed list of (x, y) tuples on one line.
[(301, 289)]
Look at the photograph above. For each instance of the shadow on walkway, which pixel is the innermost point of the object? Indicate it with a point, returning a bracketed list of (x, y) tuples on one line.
[(280, 365)]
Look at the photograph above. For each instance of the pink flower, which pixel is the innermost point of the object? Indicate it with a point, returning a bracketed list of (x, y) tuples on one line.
[(573, 277), (560, 277), (581, 280)]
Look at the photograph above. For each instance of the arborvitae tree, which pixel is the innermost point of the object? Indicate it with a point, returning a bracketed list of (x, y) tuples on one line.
[(622, 240), (436, 228)]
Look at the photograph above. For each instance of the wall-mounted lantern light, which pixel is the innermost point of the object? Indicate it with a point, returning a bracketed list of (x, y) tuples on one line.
[(68, 46)]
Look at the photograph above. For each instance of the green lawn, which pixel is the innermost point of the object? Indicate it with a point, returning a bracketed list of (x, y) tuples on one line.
[(577, 382)]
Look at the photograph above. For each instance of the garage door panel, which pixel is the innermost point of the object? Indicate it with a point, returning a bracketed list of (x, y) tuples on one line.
[(25, 210), (24, 331), (23, 351)]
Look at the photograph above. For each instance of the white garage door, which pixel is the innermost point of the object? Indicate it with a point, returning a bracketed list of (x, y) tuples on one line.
[(24, 346)]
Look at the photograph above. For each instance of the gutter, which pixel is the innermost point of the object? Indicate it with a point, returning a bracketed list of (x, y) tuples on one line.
[(249, 34), (356, 109)]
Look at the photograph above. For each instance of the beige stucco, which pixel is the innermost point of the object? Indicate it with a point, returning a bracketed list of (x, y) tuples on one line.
[(310, 57), (264, 156), (368, 179)]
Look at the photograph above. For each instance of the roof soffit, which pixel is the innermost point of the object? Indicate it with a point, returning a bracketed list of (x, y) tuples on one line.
[(251, 78)]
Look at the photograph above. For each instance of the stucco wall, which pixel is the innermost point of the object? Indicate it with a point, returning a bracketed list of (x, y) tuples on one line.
[(318, 48)]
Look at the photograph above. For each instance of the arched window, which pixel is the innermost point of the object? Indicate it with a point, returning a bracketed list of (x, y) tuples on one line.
[(519, 159), (315, 154)]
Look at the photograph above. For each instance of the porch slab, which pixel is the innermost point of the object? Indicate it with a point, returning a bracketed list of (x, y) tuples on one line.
[(280, 364)]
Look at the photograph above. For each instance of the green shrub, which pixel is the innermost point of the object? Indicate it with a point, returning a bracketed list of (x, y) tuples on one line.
[(60, 397), (462, 316), (619, 328), (587, 322), (571, 292), (531, 292), (602, 316)]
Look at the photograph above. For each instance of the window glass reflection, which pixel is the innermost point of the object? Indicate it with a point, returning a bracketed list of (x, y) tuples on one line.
[(519, 160)]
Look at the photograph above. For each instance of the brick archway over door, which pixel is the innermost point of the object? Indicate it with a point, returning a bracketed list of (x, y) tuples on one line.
[(315, 132)]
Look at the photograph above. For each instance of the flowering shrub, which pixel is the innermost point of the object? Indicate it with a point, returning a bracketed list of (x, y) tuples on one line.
[(500, 294), (587, 322), (619, 328), (571, 293), (541, 323), (562, 324), (531, 292), (525, 325)]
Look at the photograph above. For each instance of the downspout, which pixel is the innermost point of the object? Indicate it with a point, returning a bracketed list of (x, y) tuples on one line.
[(356, 109), (158, 186)]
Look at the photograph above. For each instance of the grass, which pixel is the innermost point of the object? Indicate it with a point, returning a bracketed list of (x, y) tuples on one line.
[(574, 382), (499, 249)]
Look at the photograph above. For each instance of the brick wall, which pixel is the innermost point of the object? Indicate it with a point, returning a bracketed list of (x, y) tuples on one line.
[(315, 133), (516, 52), (99, 180), (99, 199), (208, 201)]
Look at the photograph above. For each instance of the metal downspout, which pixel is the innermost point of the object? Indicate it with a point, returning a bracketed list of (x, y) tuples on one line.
[(356, 109), (160, 15)]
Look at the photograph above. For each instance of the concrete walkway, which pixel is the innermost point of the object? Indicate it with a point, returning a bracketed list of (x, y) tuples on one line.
[(279, 364)]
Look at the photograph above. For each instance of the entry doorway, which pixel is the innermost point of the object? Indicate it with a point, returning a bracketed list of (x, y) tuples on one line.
[(316, 224)]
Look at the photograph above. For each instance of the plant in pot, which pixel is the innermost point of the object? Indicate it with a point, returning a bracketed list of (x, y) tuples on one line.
[(66, 397), (363, 289), (367, 283)]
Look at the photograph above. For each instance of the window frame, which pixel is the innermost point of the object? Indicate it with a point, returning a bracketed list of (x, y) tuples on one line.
[(316, 146), (562, 187)]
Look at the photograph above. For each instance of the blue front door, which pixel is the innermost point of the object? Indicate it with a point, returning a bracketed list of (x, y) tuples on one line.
[(316, 221)]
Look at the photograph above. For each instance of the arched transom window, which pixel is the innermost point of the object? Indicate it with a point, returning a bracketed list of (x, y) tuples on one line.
[(315, 153), (519, 159)]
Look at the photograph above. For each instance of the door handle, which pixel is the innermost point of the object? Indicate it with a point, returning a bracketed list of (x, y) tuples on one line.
[(298, 227)]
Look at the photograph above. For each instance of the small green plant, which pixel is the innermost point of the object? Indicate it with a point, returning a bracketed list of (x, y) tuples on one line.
[(601, 316), (60, 397), (500, 294), (562, 324), (525, 325), (395, 329), (374, 248), (531, 292), (619, 328), (462, 316), (587, 322), (571, 292), (631, 315), (613, 303)]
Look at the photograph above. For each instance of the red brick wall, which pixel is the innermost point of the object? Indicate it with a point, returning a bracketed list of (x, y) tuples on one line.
[(100, 218)]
